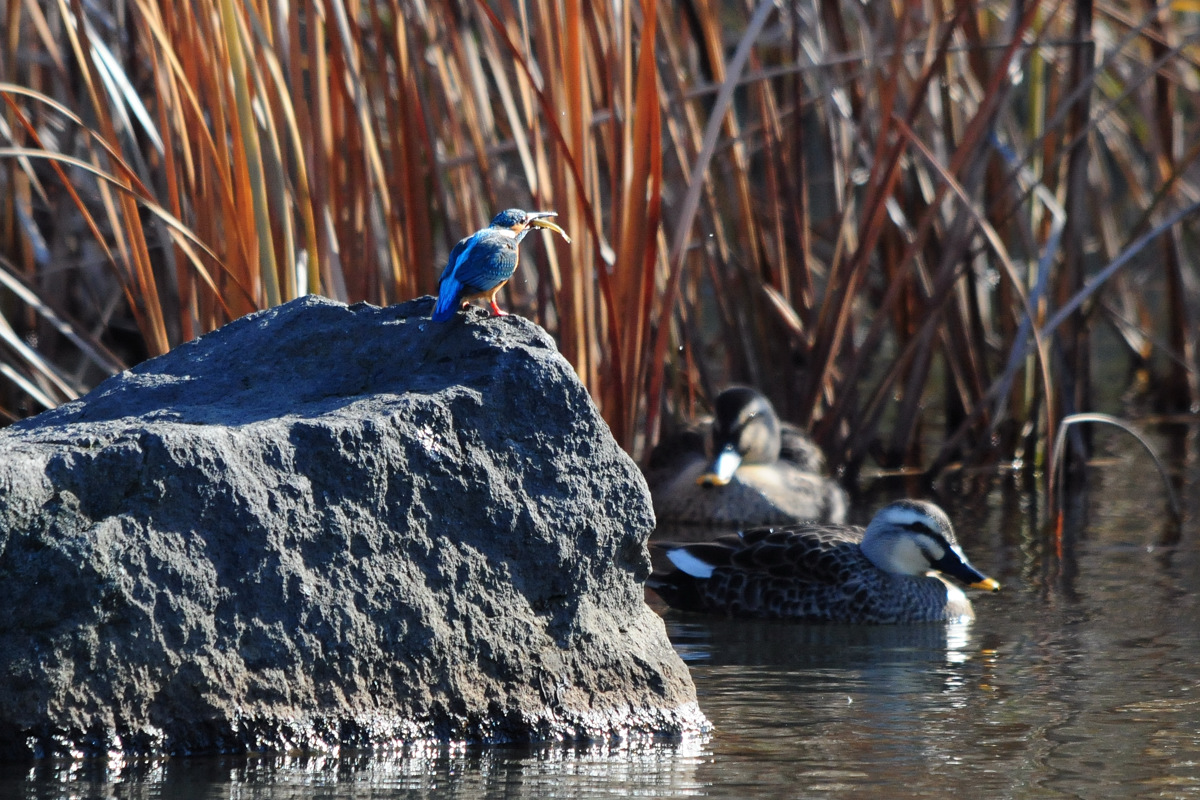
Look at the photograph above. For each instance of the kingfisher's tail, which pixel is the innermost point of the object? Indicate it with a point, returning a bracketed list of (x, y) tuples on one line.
[(449, 295)]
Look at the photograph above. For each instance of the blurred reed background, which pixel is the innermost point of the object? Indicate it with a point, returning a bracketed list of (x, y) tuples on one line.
[(907, 223)]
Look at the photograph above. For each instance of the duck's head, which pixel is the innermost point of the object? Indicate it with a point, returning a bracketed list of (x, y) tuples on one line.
[(745, 429), (912, 537)]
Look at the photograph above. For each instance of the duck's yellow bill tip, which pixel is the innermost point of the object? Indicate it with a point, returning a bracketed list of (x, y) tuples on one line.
[(988, 584), (711, 479)]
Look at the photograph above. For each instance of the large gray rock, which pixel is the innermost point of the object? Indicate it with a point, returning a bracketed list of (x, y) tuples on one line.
[(326, 526)]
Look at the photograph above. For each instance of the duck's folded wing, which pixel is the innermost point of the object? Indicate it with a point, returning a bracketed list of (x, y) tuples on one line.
[(811, 553)]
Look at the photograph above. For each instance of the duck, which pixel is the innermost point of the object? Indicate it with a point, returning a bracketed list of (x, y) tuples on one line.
[(896, 570), (761, 471)]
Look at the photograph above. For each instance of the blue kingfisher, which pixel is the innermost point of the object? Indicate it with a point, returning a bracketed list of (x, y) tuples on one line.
[(484, 261)]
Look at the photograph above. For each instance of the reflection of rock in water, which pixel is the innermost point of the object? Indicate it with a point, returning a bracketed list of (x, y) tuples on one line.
[(640, 767)]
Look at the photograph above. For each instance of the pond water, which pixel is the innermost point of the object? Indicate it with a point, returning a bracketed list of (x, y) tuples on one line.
[(1081, 678)]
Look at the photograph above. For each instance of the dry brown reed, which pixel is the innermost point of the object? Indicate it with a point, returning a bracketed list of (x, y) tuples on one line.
[(894, 218)]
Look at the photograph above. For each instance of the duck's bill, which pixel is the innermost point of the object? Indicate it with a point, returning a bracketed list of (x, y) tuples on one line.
[(955, 565), (722, 469), (540, 220)]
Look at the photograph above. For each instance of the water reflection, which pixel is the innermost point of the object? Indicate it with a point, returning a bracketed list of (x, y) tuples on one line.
[(780, 644), (847, 708), (649, 769)]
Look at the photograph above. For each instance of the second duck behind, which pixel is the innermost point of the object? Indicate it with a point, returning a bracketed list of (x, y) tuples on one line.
[(761, 471)]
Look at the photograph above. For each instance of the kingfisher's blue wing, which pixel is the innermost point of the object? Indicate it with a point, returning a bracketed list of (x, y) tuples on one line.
[(486, 263), (450, 289), (454, 256)]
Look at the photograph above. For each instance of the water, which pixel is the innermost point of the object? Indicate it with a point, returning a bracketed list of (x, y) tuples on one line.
[(1081, 678)]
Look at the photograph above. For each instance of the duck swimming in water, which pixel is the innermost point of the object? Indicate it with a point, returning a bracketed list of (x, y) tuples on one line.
[(761, 472), (891, 572)]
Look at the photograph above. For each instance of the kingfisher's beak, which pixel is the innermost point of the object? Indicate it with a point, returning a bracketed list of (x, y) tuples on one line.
[(539, 219)]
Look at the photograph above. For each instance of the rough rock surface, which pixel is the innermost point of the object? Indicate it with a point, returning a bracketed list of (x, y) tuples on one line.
[(325, 526)]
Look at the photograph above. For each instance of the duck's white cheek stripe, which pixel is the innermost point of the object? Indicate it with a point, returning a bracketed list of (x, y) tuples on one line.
[(932, 550), (903, 517), (686, 562)]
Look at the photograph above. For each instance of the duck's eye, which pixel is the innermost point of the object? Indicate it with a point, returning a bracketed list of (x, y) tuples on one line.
[(920, 527)]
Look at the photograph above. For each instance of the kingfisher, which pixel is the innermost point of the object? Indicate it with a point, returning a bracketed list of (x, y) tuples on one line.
[(484, 261)]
